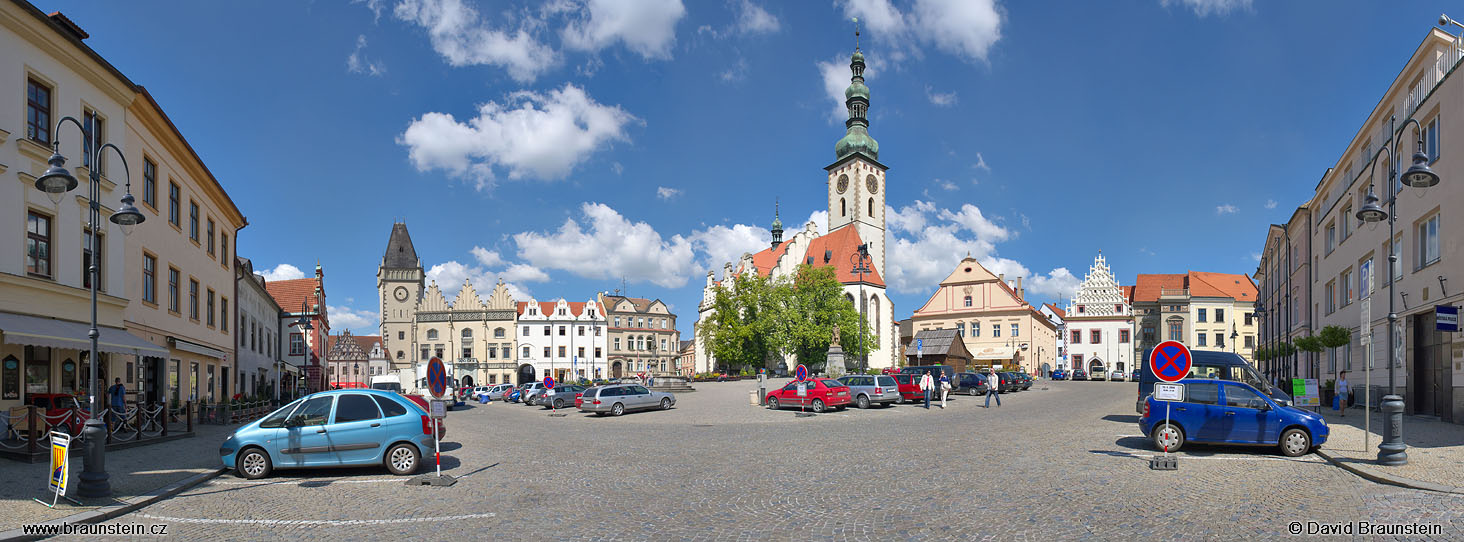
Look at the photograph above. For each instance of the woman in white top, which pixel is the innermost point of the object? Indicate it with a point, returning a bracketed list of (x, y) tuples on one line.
[(1344, 392)]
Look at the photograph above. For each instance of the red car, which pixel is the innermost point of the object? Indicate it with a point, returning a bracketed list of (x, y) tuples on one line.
[(60, 410), (422, 402), (823, 393), (909, 386), (579, 399)]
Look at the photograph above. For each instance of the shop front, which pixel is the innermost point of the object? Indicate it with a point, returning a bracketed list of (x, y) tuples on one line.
[(40, 356)]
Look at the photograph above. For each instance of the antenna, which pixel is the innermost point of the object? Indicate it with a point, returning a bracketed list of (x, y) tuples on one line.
[(856, 33)]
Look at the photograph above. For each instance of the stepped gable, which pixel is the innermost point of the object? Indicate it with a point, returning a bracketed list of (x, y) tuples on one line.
[(500, 299), (433, 301), (467, 298)]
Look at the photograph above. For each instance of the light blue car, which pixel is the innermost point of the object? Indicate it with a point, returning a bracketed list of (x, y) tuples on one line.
[(337, 428)]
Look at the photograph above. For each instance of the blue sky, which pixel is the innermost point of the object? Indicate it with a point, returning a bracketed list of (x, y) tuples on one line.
[(567, 145)]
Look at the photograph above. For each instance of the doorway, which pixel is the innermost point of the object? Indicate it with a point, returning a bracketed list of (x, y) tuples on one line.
[(615, 370), (526, 374), (1430, 382), (468, 381)]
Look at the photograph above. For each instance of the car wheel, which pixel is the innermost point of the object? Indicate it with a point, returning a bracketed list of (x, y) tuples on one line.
[(971, 392), (617, 410), (862, 402), (1168, 437), (772, 403), (558, 403), (253, 464), (401, 459), (1295, 443), (818, 405), (666, 403)]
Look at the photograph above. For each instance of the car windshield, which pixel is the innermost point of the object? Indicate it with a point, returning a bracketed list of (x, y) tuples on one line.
[(277, 418), (833, 384)]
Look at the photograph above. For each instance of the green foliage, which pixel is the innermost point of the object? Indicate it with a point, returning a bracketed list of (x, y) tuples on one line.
[(1335, 336), (755, 319), (1310, 343), (1262, 354), (1285, 349)]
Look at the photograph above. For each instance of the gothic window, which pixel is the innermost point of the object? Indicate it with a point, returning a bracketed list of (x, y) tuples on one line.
[(498, 333), (871, 207), (874, 311), (843, 211), (431, 334), (467, 333)]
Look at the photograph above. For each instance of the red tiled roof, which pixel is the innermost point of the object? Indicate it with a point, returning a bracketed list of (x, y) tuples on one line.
[(1147, 287), (841, 244), (291, 293), (764, 260), (1207, 284), (1128, 293), (546, 308), (1059, 312)]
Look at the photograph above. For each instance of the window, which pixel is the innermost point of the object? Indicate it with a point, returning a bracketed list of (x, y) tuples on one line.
[(1219, 315), (526, 353), (617, 343), (976, 329), (1123, 336), (598, 331), (1250, 341), (665, 321), (1200, 339), (1081, 309), (467, 334), (401, 335), (961, 329), (209, 299), (193, 221), (1204, 393), (86, 260), (149, 182), (617, 321), (1095, 336), (562, 330), (149, 278), (1249, 317), (1397, 260), (1346, 282), (1220, 340), (297, 345), (389, 408), (1428, 242), (562, 351), (640, 322), (1148, 333), (210, 232), (1331, 295), (498, 333), (1176, 330), (38, 111), (355, 407), (580, 330), (1431, 140), (1199, 315), (546, 331), (968, 301), (315, 411), (431, 334), (1331, 237), (92, 136), (224, 254), (598, 354), (1078, 361), (174, 195), (995, 330), (38, 244), (1118, 308), (193, 299), (1016, 331), (580, 352), (467, 352), (173, 290), (546, 352), (1236, 396), (1346, 223)]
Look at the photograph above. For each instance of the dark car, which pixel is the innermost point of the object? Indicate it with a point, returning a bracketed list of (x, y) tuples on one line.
[(1025, 380), (563, 396), (972, 383), (1222, 412), (1215, 365), (935, 371), (1079, 374)]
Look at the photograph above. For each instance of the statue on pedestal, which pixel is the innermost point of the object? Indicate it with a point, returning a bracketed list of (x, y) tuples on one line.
[(834, 365)]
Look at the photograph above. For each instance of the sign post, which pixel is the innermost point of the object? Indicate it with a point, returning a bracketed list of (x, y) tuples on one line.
[(437, 386), (1171, 362), (549, 397), (919, 346), (801, 373)]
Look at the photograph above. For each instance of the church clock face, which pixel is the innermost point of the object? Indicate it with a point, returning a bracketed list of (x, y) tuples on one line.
[(871, 184), (401, 293), (843, 183)]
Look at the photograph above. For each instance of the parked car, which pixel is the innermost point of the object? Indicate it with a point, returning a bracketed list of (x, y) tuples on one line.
[(337, 428), (499, 392), (972, 383), (1210, 364), (1223, 412), (909, 386), (872, 389), (421, 402), (530, 391), (59, 410), (1134, 377), (822, 394), (1079, 374), (1117, 376), (617, 399), (1058, 375), (1006, 382), (1098, 374), (935, 371), (1025, 380), (563, 395)]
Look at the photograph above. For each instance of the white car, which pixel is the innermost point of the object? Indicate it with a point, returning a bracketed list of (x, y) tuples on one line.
[(1117, 376)]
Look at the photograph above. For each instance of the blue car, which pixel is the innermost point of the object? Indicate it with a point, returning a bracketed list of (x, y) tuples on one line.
[(1223, 412), (1058, 375), (337, 428)]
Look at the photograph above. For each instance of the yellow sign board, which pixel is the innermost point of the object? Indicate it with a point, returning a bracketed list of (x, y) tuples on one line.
[(60, 462)]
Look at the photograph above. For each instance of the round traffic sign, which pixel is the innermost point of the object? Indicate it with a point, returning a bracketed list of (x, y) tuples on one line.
[(436, 377), (801, 373), (1170, 361), (549, 382)]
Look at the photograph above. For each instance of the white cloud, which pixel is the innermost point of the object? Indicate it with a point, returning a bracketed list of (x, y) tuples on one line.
[(965, 28), (359, 322), (1206, 8), (283, 271), (358, 63), (925, 242), (1226, 209), (1271, 204), (943, 99), (531, 134), (981, 163), (752, 19), (1256, 256), (726, 244), (820, 220), (486, 258), (376, 7), (971, 218), (613, 247), (463, 39), (646, 27), (1058, 283), (835, 74), (946, 184), (489, 268), (664, 192)]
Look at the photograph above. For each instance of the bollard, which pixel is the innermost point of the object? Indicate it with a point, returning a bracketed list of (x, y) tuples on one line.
[(752, 397), (1392, 450), (188, 414), (137, 420), (109, 415), (30, 414)]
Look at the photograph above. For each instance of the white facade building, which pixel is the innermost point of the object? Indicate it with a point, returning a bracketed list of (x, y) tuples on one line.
[(259, 360), (1100, 325), (562, 338), (1058, 317)]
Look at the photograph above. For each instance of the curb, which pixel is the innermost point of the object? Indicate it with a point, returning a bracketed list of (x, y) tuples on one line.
[(128, 506), (1379, 477)]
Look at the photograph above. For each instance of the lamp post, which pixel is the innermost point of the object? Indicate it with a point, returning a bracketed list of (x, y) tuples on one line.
[(1260, 310), (1419, 175), (860, 261), (1233, 335), (55, 182), (303, 323)]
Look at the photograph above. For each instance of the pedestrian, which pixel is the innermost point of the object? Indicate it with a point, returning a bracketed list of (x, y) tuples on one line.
[(945, 388), (118, 395), (1344, 393), (926, 384), (993, 383)]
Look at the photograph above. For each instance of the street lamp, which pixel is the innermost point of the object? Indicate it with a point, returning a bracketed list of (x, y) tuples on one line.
[(56, 182), (303, 323), (860, 261), (1260, 310), (1419, 175)]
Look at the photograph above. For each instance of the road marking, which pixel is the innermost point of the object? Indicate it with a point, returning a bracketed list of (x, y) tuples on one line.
[(1115, 453), (306, 481), (283, 522)]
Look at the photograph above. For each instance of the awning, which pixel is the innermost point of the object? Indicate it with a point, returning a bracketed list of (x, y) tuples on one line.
[(38, 331), (992, 353), (196, 348)]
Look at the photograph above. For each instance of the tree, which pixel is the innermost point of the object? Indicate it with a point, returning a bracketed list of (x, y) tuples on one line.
[(1335, 337), (1310, 344), (1262, 354), (739, 332), (755, 319), (817, 303)]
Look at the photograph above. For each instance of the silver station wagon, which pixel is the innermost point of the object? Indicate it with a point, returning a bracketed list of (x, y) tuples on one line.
[(872, 389), (617, 399)]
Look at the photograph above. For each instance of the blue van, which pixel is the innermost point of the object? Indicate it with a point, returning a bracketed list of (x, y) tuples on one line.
[(1222, 412), (1210, 364)]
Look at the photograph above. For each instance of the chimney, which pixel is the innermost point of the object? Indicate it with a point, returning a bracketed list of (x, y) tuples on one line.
[(1020, 295), (1001, 277)]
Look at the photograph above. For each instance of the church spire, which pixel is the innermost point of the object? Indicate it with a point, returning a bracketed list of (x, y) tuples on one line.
[(856, 100), (777, 226)]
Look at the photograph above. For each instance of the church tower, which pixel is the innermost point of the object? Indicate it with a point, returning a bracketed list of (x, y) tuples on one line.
[(856, 179), (399, 284)]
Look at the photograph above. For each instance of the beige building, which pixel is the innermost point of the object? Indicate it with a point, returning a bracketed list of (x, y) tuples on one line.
[(1203, 310), (474, 337), (1284, 283), (1349, 258), (642, 336), (994, 321)]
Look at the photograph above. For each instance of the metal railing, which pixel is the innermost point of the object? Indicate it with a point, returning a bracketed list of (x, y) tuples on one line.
[(1433, 76), (27, 429)]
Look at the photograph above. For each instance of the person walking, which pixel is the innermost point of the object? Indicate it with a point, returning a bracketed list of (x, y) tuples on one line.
[(1344, 393), (117, 394), (926, 384), (993, 383), (945, 388)]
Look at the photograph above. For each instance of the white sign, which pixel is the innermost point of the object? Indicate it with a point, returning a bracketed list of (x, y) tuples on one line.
[(1366, 331), (1169, 392), (439, 409), (802, 389)]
